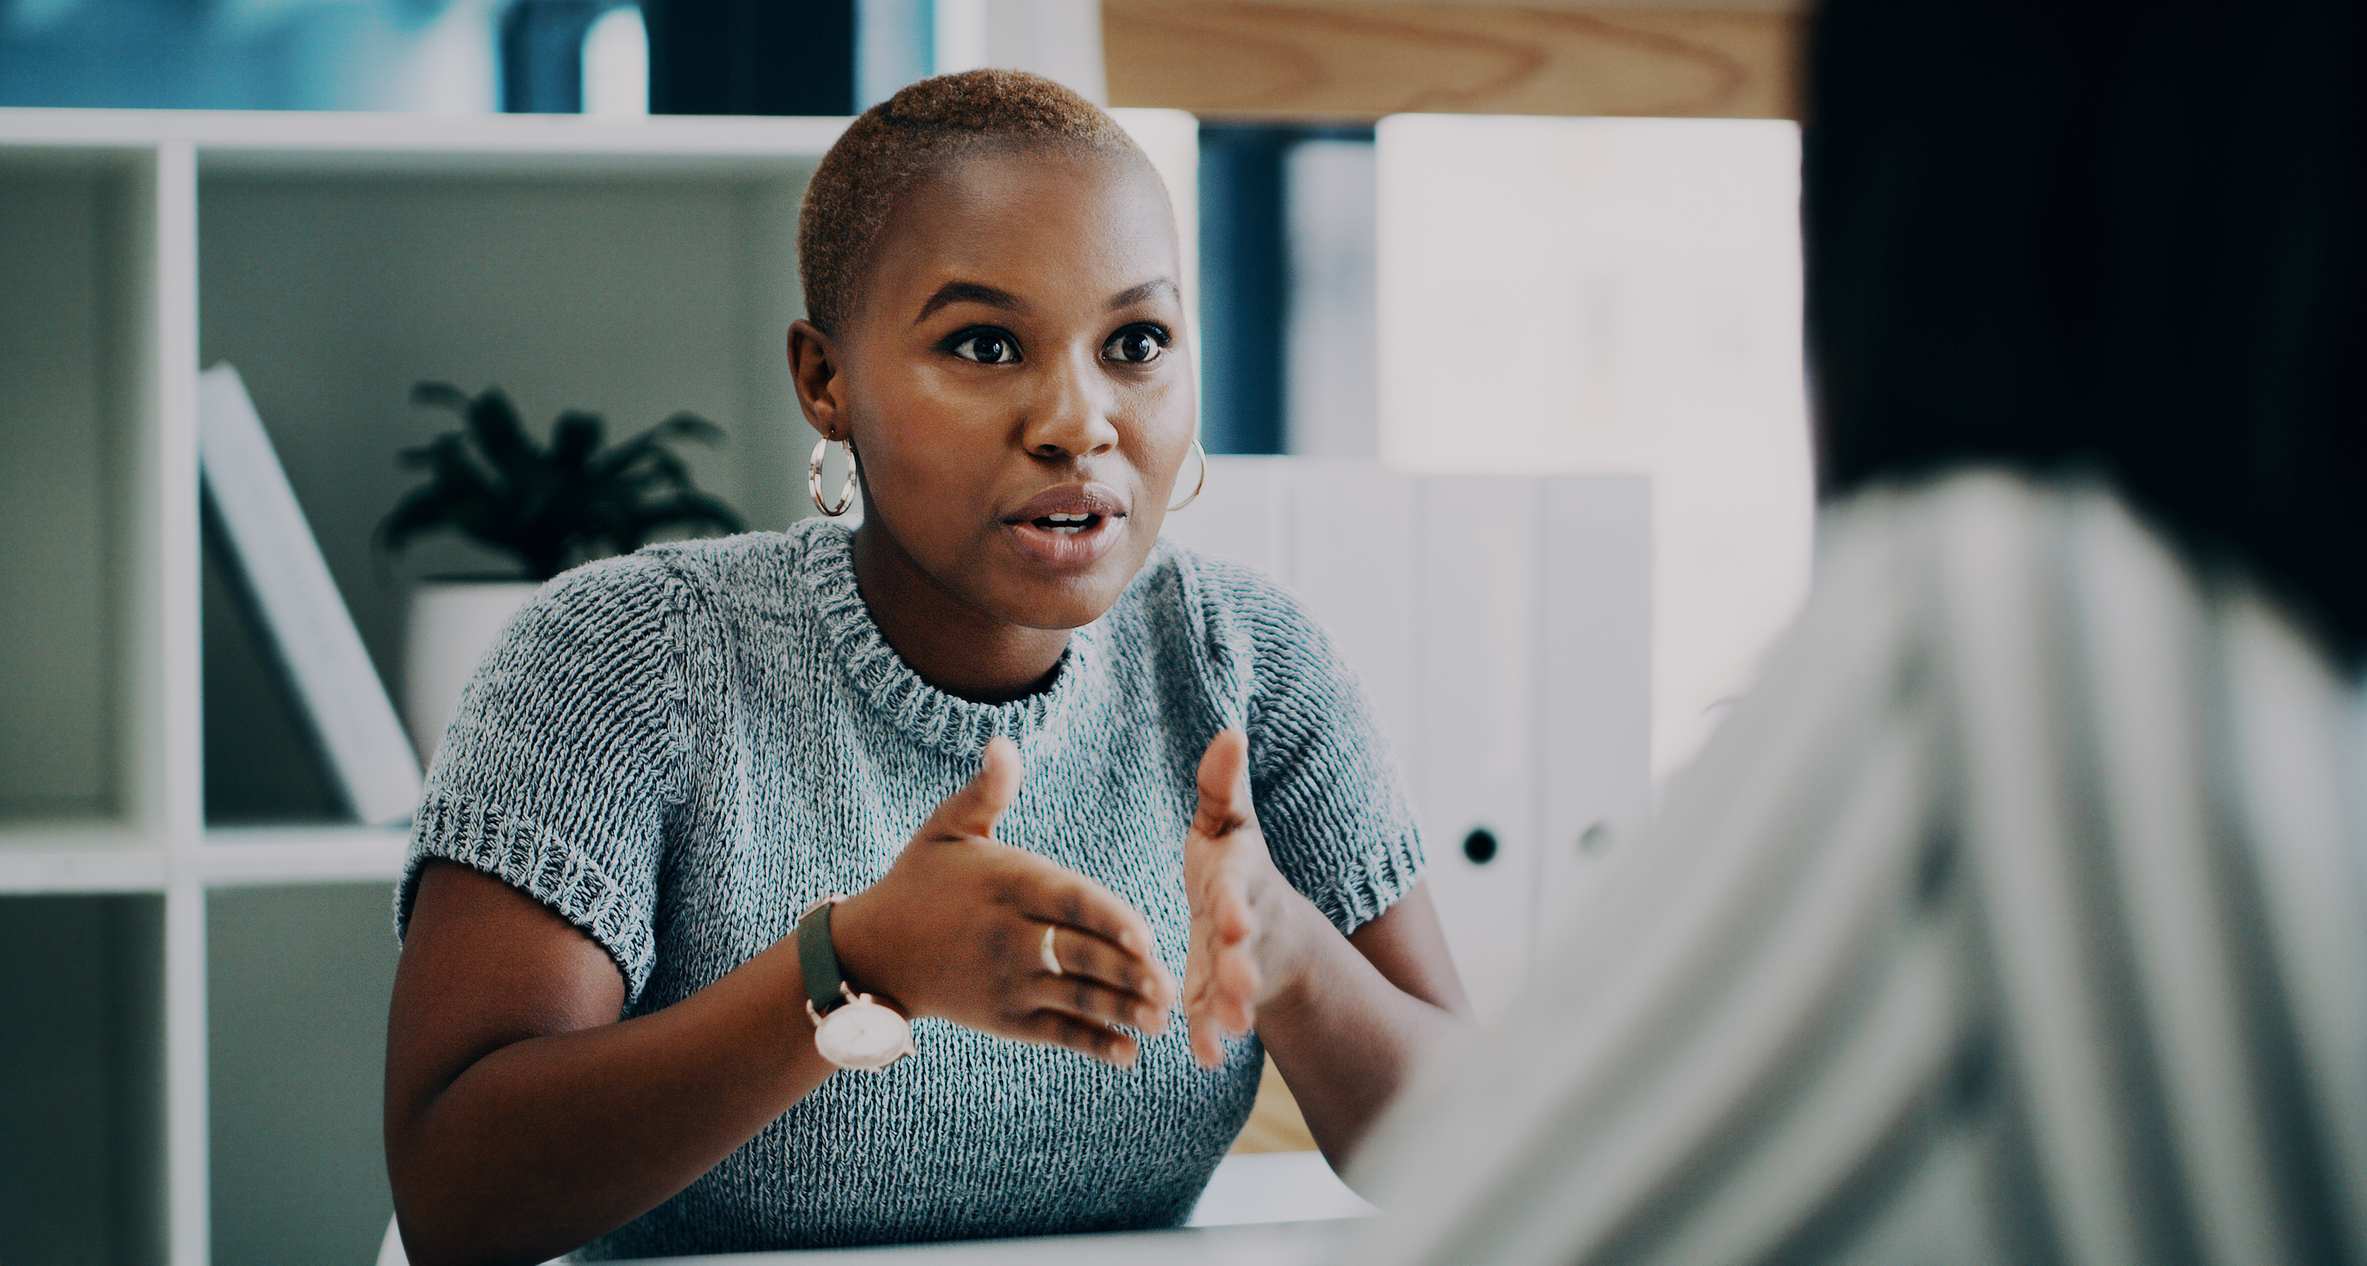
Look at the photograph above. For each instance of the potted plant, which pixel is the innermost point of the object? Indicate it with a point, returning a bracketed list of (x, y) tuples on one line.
[(544, 507)]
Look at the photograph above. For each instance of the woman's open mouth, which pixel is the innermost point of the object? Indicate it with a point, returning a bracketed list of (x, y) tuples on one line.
[(1065, 541), (1069, 523), (1067, 528)]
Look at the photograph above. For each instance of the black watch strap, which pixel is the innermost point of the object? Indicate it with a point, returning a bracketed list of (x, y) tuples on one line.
[(818, 958)]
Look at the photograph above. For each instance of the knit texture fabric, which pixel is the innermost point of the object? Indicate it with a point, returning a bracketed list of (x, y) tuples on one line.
[(680, 750)]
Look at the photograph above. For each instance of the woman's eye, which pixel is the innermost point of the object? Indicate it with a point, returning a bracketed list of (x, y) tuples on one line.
[(1136, 345), (987, 347)]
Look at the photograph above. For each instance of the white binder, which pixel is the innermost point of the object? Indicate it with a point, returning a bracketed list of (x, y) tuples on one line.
[(301, 614)]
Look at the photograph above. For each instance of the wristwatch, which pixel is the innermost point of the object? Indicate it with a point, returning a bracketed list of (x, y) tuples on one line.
[(851, 1030)]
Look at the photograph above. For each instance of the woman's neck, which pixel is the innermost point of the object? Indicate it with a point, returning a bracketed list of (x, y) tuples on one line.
[(952, 645)]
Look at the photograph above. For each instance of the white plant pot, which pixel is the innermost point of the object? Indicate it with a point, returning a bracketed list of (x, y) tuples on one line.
[(449, 627)]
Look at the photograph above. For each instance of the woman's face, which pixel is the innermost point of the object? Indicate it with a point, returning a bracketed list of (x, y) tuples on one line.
[(1017, 381)]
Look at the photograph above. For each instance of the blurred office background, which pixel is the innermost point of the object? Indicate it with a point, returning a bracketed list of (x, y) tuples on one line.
[(1656, 335)]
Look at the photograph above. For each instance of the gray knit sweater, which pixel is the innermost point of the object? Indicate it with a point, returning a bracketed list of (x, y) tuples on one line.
[(680, 750)]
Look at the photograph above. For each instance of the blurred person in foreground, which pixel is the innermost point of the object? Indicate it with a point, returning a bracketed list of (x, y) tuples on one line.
[(2020, 913)]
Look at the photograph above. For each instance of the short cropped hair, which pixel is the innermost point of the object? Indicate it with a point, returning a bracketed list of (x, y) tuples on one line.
[(2146, 262), (895, 144)]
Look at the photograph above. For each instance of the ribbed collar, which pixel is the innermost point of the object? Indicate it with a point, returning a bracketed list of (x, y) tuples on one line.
[(926, 714)]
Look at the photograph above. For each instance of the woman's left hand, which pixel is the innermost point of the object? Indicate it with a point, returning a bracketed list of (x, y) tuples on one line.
[(1249, 926)]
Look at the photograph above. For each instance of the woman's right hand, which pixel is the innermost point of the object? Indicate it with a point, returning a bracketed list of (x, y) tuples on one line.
[(955, 930)]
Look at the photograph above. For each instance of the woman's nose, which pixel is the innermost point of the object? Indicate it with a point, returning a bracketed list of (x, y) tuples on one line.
[(1071, 416)]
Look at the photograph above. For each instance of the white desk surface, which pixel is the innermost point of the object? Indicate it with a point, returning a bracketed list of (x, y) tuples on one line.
[(1270, 1209), (1266, 1244)]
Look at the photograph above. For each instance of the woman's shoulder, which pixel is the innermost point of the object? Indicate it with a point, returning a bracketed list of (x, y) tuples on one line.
[(1252, 634), (1210, 586), (2018, 600), (1988, 527), (1980, 548), (658, 596), (718, 567), (602, 599)]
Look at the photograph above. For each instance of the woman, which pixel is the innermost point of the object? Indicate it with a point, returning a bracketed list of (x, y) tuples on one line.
[(1046, 762), (2018, 914)]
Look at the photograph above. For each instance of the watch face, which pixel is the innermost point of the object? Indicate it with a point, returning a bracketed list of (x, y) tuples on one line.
[(863, 1034)]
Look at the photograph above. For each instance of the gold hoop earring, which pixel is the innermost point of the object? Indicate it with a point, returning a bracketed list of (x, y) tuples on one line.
[(813, 478), (1201, 483)]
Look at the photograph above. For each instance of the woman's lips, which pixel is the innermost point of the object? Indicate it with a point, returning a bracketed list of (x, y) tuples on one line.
[(1071, 549), (1069, 527)]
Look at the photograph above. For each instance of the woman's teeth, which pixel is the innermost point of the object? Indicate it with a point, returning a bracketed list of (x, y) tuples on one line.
[(1069, 524)]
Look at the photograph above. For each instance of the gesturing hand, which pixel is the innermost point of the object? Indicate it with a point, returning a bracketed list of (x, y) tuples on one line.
[(1248, 923), (956, 930)]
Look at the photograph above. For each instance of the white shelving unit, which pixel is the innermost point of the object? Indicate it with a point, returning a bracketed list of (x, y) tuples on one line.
[(194, 953)]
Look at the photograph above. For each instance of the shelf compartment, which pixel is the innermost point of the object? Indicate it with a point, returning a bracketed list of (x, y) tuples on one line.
[(297, 982), (82, 1108), (633, 290), (90, 496)]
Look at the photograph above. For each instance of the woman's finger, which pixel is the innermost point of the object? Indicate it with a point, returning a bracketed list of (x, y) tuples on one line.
[(1228, 909), (1093, 1001), (973, 810), (1200, 1012), (1221, 1006), (1196, 960), (1208, 1039), (1059, 895), (1059, 1028), (1235, 988), (1223, 786), (1083, 955)]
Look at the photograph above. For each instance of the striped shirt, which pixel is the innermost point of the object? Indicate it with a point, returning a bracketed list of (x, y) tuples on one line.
[(2018, 915)]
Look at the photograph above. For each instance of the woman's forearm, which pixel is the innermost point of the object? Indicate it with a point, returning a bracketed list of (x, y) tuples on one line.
[(547, 1143), (1346, 1038)]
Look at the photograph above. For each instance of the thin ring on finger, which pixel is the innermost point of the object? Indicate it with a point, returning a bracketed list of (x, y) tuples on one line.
[(1051, 954)]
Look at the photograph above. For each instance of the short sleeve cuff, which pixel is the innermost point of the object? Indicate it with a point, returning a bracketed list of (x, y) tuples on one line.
[(1365, 889), (534, 861)]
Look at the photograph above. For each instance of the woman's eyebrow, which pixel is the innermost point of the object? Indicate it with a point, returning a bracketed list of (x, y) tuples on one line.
[(968, 292), (1136, 294)]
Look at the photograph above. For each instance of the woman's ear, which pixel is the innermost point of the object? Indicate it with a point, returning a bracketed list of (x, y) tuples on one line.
[(813, 371)]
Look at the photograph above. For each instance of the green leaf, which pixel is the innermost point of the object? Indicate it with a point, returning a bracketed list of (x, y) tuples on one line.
[(691, 426), (447, 456), (421, 510), (493, 423), (657, 467), (475, 504), (687, 426), (574, 440), (440, 395)]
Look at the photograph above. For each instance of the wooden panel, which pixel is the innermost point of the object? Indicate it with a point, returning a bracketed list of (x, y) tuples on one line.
[(1361, 61), (1554, 6), (1275, 1122)]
